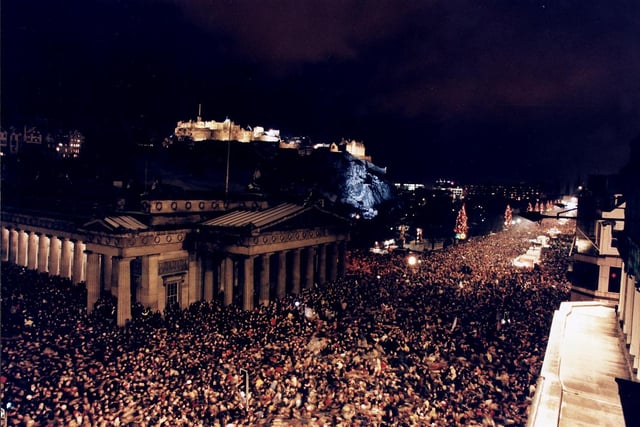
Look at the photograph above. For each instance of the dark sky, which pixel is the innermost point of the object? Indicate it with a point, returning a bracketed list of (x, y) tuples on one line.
[(476, 90)]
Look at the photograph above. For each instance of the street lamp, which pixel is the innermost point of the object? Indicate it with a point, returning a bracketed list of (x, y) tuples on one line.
[(412, 260), (246, 385)]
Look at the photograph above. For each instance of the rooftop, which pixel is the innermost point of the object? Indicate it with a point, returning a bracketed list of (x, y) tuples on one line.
[(585, 354)]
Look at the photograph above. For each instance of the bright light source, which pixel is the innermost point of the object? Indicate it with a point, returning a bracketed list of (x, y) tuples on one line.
[(412, 260)]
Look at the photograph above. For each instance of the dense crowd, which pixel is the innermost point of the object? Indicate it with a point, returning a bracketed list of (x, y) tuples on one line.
[(457, 339)]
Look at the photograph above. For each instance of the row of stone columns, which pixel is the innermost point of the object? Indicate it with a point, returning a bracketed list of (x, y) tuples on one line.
[(629, 315), (116, 272), (330, 261), (46, 253), (69, 258)]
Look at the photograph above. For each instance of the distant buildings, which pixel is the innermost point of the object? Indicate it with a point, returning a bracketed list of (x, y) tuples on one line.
[(65, 144), (517, 192)]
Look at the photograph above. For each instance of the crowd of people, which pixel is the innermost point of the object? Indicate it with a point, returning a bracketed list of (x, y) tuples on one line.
[(455, 339)]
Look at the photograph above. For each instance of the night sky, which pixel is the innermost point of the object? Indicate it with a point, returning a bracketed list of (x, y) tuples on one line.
[(472, 90)]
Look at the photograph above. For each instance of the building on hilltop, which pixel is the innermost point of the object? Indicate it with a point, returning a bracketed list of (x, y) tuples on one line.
[(353, 147), (211, 130)]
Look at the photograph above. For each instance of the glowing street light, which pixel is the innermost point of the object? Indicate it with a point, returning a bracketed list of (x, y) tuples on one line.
[(246, 385), (412, 260)]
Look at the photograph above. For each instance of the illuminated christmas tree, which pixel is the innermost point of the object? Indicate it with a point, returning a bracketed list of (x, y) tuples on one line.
[(461, 229), (508, 216)]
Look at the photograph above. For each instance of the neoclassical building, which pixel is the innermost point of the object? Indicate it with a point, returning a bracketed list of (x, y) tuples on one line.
[(182, 251)]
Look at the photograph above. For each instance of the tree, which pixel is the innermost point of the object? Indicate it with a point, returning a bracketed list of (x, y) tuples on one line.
[(461, 229)]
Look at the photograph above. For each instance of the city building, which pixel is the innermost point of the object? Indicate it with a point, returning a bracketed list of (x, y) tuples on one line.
[(11, 140), (590, 374), (68, 145), (177, 252), (596, 262), (65, 144), (629, 247)]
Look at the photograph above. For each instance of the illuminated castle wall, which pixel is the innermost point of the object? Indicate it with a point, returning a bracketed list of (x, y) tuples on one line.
[(353, 147), (202, 130)]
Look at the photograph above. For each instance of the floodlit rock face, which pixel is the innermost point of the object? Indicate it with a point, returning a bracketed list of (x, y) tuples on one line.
[(356, 186), (363, 187), (351, 185)]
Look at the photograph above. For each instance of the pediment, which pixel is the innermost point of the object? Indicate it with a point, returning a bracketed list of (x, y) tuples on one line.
[(286, 216), (114, 224)]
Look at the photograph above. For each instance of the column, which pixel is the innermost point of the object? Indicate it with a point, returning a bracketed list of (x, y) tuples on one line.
[(208, 278), (114, 275), (65, 258), (622, 296), (342, 257), (322, 265), (13, 246), (247, 292), (107, 273), (54, 255), (634, 345), (295, 272), (333, 262), (228, 280), (149, 282), (43, 253), (264, 280), (282, 274), (5, 244), (162, 295), (124, 290), (78, 262), (194, 291), (32, 251), (311, 258), (628, 309), (93, 279), (603, 278), (23, 243)]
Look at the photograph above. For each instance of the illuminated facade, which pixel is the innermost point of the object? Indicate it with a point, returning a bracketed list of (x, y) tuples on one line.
[(629, 247), (520, 192), (12, 140), (201, 130), (597, 266), (353, 147), (66, 144), (211, 130)]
